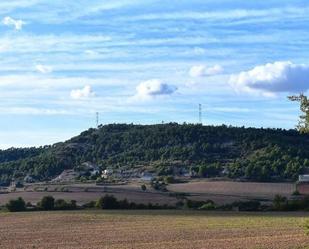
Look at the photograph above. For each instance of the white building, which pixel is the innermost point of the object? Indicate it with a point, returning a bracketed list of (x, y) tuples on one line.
[(303, 178), (106, 173)]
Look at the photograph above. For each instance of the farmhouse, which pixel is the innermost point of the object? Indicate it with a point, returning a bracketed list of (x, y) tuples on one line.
[(107, 173), (303, 178), (12, 187)]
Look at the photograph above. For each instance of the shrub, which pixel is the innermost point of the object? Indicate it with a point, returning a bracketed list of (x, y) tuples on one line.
[(61, 204), (90, 204), (47, 203), (169, 179), (296, 193), (279, 202), (17, 205), (247, 205), (73, 204), (124, 204), (143, 187), (208, 206), (196, 204), (107, 202)]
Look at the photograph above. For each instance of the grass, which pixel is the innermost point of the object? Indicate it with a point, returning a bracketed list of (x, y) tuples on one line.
[(152, 229)]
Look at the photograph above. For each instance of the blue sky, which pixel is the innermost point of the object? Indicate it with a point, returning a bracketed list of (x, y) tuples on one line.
[(148, 61)]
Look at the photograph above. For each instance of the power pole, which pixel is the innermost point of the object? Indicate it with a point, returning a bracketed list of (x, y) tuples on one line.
[(200, 113)]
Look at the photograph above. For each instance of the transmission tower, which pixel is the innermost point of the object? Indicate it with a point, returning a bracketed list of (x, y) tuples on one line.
[(200, 113), (97, 119)]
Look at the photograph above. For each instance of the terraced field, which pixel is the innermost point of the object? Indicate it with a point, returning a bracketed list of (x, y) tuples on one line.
[(152, 230)]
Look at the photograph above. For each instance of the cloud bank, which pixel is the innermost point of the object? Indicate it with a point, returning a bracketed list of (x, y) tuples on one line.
[(83, 93), (272, 78), (152, 88)]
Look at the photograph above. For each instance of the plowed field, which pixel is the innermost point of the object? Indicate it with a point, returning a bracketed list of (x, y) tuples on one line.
[(151, 230)]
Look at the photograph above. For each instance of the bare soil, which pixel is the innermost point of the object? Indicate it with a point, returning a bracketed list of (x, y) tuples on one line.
[(151, 230)]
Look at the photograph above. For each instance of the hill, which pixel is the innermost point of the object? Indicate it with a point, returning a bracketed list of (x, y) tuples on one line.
[(249, 153)]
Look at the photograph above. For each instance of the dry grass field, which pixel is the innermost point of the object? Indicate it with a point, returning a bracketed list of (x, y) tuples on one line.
[(151, 230), (228, 191), (84, 193), (221, 192)]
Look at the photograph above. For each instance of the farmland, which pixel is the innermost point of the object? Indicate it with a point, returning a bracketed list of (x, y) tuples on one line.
[(228, 191), (152, 229), (221, 192)]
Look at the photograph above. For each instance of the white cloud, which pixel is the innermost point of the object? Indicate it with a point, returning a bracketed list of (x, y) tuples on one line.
[(201, 70), (225, 14), (32, 111), (43, 69), (9, 21), (83, 93), (152, 88), (199, 51), (91, 52), (272, 78)]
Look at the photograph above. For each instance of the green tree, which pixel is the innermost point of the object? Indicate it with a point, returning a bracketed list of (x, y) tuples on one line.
[(279, 202), (17, 205), (303, 124), (107, 202), (47, 203), (143, 187)]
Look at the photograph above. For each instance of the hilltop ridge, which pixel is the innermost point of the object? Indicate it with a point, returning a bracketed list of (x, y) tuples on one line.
[(249, 153)]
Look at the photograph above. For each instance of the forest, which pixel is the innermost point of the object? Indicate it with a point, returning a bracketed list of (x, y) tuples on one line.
[(253, 154)]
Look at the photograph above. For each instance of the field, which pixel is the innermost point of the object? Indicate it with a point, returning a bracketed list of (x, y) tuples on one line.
[(221, 192), (152, 230), (228, 191), (84, 193)]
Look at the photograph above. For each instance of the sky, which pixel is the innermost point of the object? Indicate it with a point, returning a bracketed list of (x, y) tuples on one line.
[(148, 61)]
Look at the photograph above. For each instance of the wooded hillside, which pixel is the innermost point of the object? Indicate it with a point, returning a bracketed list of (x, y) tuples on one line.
[(254, 154)]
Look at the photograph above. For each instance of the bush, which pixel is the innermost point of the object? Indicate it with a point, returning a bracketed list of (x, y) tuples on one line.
[(208, 206), (90, 204), (47, 203), (143, 187), (296, 193), (279, 202), (192, 204), (61, 204), (247, 205), (107, 202), (124, 204), (17, 205), (169, 179)]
